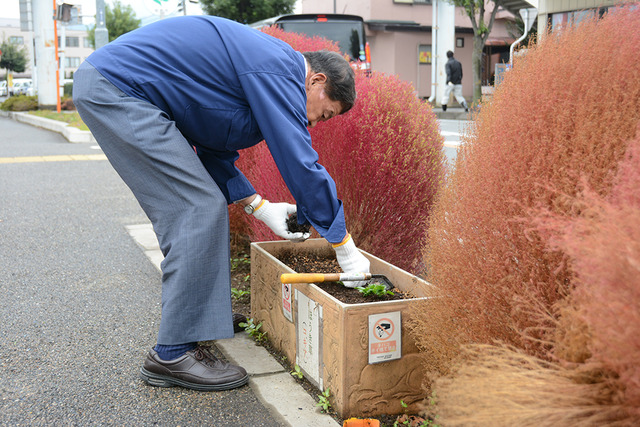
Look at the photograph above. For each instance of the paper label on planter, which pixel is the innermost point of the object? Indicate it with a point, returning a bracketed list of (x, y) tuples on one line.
[(286, 301), (385, 337), (309, 337)]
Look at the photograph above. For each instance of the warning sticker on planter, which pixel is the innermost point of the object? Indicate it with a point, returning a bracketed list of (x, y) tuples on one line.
[(385, 337), (286, 301)]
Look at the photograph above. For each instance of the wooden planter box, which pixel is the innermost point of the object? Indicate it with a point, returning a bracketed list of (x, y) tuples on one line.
[(360, 352)]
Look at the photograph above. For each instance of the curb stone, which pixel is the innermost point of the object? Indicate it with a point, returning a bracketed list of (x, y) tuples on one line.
[(70, 133)]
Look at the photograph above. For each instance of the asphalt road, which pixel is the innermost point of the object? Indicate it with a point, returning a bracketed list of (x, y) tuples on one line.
[(452, 131), (79, 301)]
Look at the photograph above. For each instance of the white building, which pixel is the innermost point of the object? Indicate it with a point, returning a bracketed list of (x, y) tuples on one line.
[(76, 39)]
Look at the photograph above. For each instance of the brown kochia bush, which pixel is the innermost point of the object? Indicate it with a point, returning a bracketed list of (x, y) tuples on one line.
[(501, 386), (563, 115), (497, 385)]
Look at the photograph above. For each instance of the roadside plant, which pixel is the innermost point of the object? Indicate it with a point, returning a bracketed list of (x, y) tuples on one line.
[(323, 401), (527, 242), (297, 372), (242, 259), (20, 103), (239, 293), (253, 330), (376, 289)]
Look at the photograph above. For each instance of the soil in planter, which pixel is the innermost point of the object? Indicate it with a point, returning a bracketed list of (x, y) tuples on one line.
[(312, 263), (294, 227)]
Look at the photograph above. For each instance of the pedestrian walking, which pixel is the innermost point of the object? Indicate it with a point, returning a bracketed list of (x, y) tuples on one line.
[(171, 104), (454, 82)]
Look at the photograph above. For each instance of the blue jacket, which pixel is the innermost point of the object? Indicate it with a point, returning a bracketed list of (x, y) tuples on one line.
[(228, 87)]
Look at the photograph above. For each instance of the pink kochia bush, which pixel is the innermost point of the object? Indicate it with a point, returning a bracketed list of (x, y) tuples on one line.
[(604, 246), (386, 156)]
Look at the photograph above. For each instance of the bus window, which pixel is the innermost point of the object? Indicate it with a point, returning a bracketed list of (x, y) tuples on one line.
[(346, 30)]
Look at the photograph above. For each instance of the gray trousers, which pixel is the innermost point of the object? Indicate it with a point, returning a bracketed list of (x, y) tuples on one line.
[(187, 209)]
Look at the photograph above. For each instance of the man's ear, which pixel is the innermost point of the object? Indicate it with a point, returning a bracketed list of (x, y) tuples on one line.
[(318, 78)]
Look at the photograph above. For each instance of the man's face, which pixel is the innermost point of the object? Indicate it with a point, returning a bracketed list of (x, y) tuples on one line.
[(319, 107)]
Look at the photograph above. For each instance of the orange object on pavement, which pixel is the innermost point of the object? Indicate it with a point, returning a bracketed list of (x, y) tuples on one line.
[(356, 422)]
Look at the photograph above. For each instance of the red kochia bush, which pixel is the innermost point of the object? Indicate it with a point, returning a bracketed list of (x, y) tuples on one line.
[(387, 160), (300, 42), (386, 156), (563, 114)]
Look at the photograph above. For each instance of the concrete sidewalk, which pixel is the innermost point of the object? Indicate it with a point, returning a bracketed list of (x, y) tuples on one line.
[(80, 303), (273, 385)]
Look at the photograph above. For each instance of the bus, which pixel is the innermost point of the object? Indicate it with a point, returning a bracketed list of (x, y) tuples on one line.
[(346, 30)]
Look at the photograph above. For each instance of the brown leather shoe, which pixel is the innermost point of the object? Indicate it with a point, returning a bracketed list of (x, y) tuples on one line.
[(237, 319), (198, 370)]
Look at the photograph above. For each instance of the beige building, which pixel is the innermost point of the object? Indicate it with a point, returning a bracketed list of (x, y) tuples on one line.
[(399, 33), (552, 13), (77, 46)]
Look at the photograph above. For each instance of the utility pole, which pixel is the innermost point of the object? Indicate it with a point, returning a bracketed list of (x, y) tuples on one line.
[(102, 33), (446, 40), (44, 41)]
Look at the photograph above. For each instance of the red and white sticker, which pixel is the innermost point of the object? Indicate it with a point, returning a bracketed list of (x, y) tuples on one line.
[(287, 301), (385, 337)]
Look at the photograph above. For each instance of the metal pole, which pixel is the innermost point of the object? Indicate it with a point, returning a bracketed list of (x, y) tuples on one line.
[(102, 33), (44, 52), (434, 49)]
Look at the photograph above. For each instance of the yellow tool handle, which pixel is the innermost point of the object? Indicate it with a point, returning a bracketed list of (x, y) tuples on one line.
[(309, 277)]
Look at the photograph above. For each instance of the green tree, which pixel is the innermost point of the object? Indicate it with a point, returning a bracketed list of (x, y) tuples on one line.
[(119, 20), (247, 11), (475, 9), (14, 57)]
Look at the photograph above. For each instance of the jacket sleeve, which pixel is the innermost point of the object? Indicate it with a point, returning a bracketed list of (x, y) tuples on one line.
[(221, 166), (447, 69), (278, 103)]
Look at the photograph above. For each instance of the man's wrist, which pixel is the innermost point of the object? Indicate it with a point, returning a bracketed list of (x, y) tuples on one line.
[(251, 204)]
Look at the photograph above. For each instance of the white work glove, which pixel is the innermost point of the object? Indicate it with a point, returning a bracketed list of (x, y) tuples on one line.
[(275, 215), (351, 260)]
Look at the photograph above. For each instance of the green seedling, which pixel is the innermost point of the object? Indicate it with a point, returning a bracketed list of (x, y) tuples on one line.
[(323, 401), (297, 372), (239, 294), (237, 262), (377, 289), (253, 329)]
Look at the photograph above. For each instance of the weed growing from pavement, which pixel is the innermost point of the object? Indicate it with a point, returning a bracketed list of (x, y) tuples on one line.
[(297, 372), (323, 400), (253, 330)]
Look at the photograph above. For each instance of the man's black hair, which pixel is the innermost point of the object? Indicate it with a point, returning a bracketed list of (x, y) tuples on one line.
[(341, 84), (449, 54)]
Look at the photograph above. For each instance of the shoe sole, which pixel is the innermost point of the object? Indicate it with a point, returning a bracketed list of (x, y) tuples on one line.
[(158, 380)]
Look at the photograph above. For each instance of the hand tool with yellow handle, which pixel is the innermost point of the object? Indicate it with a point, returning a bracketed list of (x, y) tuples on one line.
[(335, 277)]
